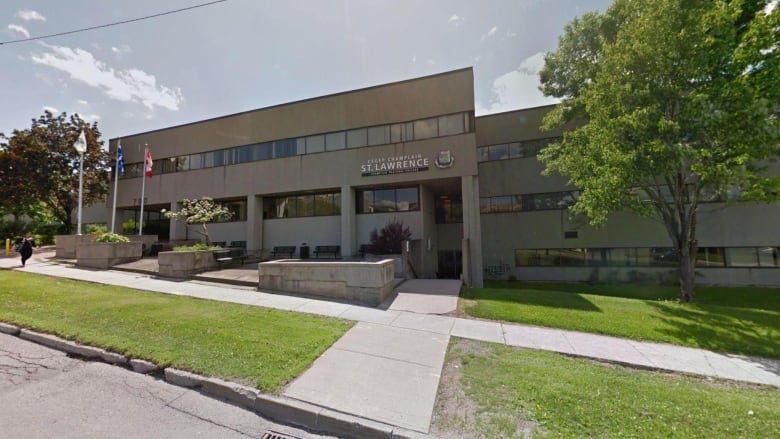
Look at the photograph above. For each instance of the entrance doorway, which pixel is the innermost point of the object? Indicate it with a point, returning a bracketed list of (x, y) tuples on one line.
[(450, 264)]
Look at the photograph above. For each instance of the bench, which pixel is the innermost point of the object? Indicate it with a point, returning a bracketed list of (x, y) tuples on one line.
[(229, 256), (334, 250), (281, 250), (365, 249)]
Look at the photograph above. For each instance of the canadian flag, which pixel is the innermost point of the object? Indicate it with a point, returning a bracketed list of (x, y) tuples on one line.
[(148, 164)]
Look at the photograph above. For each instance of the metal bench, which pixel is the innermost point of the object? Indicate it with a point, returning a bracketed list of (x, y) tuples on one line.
[(334, 250), (282, 250), (229, 257)]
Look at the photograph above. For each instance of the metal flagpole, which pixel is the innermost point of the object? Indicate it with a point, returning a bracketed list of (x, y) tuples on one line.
[(143, 188), (81, 146), (116, 181)]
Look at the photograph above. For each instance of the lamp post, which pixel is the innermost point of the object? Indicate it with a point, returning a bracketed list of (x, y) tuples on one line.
[(81, 146)]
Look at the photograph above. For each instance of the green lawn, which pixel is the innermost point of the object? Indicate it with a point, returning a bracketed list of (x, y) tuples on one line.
[(549, 394), (737, 320), (257, 346)]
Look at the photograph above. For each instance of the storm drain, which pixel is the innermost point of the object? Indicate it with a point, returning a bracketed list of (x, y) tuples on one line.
[(270, 434)]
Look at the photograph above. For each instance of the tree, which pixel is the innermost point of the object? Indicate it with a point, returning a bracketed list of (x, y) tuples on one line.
[(675, 103), (201, 212), (389, 240), (39, 164)]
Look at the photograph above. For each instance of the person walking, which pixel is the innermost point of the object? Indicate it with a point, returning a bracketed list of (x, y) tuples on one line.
[(26, 249)]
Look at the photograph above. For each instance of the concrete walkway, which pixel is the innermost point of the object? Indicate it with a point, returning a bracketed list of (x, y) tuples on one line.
[(387, 367)]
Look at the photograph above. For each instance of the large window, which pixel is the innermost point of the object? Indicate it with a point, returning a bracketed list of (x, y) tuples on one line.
[(302, 205), (513, 150), (400, 199), (449, 209), (647, 257), (528, 202)]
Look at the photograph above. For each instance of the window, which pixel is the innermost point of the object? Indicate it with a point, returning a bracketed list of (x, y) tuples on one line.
[(425, 129), (285, 148), (236, 207), (246, 153), (742, 257), (388, 200), (315, 144), (451, 124), (302, 205), (498, 152), (379, 135), (196, 161), (305, 204), (482, 154), (449, 209), (357, 138), (710, 257), (334, 141), (323, 204), (263, 151), (397, 133)]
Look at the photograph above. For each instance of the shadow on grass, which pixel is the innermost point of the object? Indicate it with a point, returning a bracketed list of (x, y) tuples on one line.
[(723, 329), (546, 298)]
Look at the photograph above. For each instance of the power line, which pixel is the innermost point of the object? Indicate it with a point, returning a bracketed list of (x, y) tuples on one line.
[(111, 24)]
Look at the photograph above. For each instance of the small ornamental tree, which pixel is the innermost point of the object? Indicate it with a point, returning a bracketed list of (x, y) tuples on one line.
[(201, 211), (389, 240)]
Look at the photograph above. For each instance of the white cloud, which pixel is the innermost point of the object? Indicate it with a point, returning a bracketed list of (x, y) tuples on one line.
[(518, 88), (457, 21), (414, 59), (82, 102), (30, 15), (51, 110), (490, 33), (131, 85), (92, 118), (19, 29), (124, 48), (430, 62)]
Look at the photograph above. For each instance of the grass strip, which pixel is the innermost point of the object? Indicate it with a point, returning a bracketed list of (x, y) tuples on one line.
[(256, 346), (557, 396), (712, 326)]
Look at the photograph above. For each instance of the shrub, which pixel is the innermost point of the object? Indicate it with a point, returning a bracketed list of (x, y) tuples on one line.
[(389, 240), (111, 237), (95, 228), (193, 247)]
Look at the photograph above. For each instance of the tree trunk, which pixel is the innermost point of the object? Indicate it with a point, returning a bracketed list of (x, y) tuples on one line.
[(687, 273)]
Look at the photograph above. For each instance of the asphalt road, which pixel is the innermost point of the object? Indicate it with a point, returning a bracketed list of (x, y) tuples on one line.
[(45, 394)]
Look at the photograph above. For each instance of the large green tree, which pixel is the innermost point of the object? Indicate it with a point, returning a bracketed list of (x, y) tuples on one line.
[(40, 165), (675, 102)]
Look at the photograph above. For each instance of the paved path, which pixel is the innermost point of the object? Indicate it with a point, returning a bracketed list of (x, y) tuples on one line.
[(387, 367)]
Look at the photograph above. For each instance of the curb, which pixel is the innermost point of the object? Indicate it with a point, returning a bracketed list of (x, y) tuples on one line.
[(279, 408)]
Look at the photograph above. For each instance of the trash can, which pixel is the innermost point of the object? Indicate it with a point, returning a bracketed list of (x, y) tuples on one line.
[(304, 251)]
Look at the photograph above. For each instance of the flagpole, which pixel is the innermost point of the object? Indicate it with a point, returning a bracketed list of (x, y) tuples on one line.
[(116, 181), (80, 145), (143, 188), (81, 188)]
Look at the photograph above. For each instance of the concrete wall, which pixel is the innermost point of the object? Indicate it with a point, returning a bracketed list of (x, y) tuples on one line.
[(105, 255), (365, 283)]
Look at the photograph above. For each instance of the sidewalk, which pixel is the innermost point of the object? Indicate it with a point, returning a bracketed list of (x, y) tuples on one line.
[(387, 367)]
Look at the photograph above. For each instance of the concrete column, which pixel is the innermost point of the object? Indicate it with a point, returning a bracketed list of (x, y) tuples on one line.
[(254, 223), (348, 222), (174, 224), (472, 232)]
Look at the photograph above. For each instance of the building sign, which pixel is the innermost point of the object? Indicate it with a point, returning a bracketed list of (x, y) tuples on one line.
[(394, 165), (403, 164)]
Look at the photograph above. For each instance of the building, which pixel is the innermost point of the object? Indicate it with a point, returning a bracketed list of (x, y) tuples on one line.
[(330, 170)]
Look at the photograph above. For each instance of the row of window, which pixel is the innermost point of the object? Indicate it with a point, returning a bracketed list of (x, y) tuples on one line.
[(441, 126), (514, 150), (303, 205), (647, 257), (528, 202), (391, 199)]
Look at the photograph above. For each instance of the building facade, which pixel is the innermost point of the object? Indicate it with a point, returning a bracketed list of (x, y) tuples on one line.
[(330, 170)]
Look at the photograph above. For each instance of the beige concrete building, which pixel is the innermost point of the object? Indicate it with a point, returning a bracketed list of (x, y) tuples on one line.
[(330, 170)]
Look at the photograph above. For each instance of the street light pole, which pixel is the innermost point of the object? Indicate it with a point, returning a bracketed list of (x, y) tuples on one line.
[(81, 146)]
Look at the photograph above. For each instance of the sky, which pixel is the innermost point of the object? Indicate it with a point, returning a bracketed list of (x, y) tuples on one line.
[(241, 55)]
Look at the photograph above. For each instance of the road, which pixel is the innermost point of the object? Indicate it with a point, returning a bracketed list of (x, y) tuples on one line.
[(45, 394)]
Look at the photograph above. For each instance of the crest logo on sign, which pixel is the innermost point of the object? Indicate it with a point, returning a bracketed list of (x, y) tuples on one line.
[(445, 159)]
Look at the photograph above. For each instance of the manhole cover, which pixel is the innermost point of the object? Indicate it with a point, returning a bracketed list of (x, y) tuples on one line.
[(270, 434)]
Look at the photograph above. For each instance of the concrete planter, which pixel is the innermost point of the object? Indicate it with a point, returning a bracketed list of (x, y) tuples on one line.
[(365, 283), (106, 254), (186, 263), (66, 245)]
